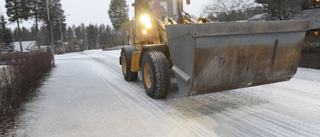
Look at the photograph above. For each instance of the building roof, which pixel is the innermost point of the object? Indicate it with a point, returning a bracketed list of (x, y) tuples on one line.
[(26, 45), (311, 14)]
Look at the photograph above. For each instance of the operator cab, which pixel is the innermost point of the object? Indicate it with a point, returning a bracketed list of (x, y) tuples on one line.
[(171, 12), (164, 8)]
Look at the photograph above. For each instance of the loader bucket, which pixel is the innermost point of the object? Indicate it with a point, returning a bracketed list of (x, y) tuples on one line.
[(222, 56)]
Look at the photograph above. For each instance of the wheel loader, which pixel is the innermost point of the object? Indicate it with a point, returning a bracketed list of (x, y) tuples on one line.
[(207, 57)]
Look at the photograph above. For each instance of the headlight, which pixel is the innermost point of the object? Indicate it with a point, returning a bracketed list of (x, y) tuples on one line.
[(144, 32), (145, 19), (148, 25)]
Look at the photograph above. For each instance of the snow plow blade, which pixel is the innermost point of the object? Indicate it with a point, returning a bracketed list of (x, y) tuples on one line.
[(222, 56)]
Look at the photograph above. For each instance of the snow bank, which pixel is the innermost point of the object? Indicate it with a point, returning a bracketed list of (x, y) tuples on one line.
[(308, 74)]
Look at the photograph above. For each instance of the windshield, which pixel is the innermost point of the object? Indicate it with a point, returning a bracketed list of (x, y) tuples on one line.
[(164, 7)]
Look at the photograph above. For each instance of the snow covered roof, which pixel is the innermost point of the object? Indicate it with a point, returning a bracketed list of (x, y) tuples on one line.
[(311, 14), (26, 45)]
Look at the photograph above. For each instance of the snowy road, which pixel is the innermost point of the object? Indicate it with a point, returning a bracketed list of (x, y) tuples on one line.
[(86, 95)]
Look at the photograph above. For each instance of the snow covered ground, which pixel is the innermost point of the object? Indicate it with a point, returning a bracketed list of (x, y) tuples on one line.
[(86, 95), (3, 66)]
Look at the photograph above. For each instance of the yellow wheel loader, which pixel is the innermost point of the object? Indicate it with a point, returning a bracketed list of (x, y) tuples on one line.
[(204, 56)]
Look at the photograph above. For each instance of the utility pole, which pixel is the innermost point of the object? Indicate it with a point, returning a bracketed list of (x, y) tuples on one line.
[(51, 37), (86, 41), (62, 43), (97, 41)]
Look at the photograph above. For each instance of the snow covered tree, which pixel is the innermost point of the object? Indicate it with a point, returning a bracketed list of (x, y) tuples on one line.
[(229, 10), (73, 45), (118, 13), (17, 10), (281, 9)]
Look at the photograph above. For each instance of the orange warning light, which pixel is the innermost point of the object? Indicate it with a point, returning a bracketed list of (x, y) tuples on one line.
[(316, 33)]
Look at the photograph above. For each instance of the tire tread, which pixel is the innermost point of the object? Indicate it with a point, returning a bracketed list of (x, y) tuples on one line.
[(129, 76), (162, 74)]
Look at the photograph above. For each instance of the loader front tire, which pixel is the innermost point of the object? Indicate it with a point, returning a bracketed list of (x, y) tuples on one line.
[(156, 74), (126, 66)]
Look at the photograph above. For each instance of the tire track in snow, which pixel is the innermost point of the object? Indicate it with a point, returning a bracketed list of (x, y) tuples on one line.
[(158, 109), (152, 105), (171, 110)]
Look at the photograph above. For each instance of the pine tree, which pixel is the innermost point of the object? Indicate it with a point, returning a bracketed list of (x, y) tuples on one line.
[(2, 28), (44, 34), (70, 34), (15, 35), (17, 10), (26, 34), (56, 14), (118, 13), (103, 34), (110, 36), (91, 36), (34, 33), (78, 33), (5, 33), (35, 12)]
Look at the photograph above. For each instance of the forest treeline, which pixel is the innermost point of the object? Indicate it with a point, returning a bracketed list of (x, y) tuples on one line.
[(46, 14)]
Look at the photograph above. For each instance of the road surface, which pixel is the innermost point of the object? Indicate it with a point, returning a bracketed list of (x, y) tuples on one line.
[(86, 95)]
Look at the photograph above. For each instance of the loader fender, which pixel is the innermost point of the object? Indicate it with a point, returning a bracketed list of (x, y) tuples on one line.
[(125, 61), (128, 51), (155, 47)]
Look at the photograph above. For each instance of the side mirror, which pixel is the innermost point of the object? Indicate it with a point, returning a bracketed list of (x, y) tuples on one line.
[(133, 4), (188, 2)]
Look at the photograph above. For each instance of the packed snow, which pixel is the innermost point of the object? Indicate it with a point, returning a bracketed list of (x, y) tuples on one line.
[(86, 95)]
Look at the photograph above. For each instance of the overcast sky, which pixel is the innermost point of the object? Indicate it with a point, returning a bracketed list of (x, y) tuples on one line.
[(96, 11)]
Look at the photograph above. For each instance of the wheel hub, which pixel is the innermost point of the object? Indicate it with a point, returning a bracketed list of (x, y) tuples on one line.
[(147, 76), (124, 65)]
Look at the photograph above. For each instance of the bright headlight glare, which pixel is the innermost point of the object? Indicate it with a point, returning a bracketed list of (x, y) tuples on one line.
[(145, 19), (148, 25), (144, 32)]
